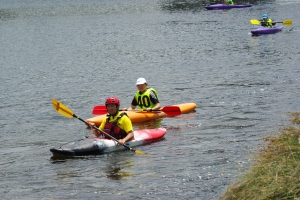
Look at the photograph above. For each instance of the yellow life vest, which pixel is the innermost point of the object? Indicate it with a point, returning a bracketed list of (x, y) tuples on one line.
[(229, 2), (117, 126), (269, 23), (143, 100)]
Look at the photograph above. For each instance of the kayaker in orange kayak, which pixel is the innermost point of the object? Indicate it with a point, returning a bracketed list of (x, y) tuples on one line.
[(266, 21), (145, 98), (116, 124)]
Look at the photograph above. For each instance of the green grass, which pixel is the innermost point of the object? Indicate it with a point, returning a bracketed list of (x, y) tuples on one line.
[(276, 171)]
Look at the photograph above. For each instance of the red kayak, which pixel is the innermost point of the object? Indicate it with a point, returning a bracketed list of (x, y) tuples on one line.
[(93, 145)]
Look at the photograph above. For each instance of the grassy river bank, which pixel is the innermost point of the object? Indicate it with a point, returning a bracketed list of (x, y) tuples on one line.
[(275, 173)]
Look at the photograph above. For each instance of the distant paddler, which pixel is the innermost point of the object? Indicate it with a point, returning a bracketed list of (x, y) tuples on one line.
[(145, 98)]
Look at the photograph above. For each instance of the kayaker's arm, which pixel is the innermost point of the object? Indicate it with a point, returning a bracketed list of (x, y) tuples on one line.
[(262, 23), (266, 23), (156, 107), (95, 131), (127, 138)]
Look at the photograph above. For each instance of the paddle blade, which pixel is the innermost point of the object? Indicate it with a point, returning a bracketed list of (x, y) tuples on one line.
[(171, 110), (287, 22), (99, 110), (62, 109), (255, 21), (138, 152)]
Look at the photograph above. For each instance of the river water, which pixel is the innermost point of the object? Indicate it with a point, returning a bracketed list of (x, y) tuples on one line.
[(80, 52)]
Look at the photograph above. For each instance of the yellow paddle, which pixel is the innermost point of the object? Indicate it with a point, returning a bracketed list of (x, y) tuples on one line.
[(286, 22), (65, 111)]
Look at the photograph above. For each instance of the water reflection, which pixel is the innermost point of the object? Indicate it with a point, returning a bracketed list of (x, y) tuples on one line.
[(264, 46), (115, 167), (151, 124), (112, 166), (58, 158)]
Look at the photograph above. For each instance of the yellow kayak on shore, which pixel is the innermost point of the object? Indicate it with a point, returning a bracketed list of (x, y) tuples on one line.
[(137, 116)]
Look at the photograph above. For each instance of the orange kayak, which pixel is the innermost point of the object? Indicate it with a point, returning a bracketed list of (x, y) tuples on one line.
[(141, 116)]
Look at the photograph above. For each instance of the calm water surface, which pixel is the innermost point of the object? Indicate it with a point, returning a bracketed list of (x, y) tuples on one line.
[(81, 52)]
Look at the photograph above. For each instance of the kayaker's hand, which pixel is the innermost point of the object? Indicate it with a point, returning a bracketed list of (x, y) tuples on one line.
[(124, 109), (91, 124), (121, 141)]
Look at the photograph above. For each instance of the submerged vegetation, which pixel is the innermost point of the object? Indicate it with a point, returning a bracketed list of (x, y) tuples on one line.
[(276, 170)]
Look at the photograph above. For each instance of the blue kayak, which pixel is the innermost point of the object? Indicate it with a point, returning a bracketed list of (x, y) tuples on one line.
[(225, 6)]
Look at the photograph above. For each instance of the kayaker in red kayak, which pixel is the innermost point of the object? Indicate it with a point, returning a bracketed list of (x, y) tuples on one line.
[(116, 124), (228, 2), (144, 99), (266, 21)]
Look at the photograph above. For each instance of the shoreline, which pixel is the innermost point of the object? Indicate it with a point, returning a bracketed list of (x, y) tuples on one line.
[(275, 173)]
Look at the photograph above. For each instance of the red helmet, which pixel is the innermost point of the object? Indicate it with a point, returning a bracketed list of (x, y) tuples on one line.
[(112, 100)]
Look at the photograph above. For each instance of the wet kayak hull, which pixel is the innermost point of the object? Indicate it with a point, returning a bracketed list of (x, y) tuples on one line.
[(142, 116), (266, 30), (96, 146), (225, 6)]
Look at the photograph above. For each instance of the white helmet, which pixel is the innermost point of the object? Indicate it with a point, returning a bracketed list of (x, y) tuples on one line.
[(141, 81)]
